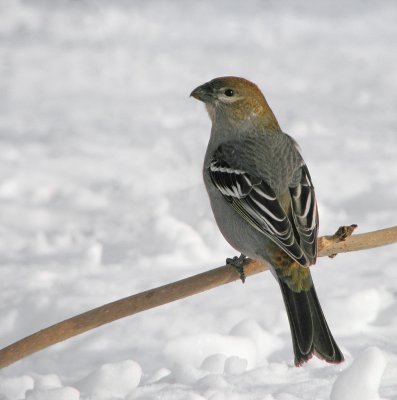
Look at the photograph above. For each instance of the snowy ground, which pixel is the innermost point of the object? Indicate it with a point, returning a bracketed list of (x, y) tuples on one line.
[(101, 193)]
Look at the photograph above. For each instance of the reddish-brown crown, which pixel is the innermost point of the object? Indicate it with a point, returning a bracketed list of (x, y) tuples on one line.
[(237, 99)]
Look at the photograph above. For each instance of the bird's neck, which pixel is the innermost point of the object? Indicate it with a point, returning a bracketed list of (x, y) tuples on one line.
[(223, 133), (251, 123)]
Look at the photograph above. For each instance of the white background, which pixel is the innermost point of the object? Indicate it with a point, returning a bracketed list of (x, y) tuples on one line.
[(101, 194)]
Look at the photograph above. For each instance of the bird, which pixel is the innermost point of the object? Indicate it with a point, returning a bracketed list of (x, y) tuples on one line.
[(264, 204)]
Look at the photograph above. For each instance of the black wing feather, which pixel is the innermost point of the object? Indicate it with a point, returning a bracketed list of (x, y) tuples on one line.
[(305, 214)]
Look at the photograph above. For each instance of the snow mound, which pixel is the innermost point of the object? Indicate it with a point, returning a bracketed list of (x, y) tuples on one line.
[(158, 375), (214, 363), (362, 379), (64, 393), (235, 365), (194, 349), (112, 380), (186, 374), (265, 342), (43, 382), (359, 310), (14, 388), (212, 382)]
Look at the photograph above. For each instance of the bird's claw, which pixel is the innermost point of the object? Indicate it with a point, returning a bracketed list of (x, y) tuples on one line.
[(238, 263)]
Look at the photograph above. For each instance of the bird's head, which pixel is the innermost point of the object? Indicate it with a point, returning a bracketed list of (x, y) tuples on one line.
[(235, 100)]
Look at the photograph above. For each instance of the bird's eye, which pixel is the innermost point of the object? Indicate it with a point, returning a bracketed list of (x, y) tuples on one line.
[(229, 92)]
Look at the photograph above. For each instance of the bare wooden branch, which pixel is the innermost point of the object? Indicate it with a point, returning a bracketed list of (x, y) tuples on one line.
[(341, 242)]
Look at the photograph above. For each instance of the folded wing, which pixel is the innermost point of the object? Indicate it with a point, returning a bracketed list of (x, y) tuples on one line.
[(257, 203)]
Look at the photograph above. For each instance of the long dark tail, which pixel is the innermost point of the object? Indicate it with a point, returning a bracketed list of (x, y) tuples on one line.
[(309, 329)]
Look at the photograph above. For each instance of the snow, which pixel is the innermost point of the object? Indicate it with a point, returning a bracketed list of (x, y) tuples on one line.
[(14, 387), (101, 193), (361, 380), (214, 363), (64, 393), (112, 380), (235, 365), (264, 341), (194, 349)]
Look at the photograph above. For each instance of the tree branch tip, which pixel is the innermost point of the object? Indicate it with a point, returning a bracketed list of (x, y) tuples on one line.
[(344, 232)]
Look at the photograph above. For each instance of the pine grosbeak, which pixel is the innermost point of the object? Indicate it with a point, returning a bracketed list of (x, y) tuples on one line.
[(263, 201)]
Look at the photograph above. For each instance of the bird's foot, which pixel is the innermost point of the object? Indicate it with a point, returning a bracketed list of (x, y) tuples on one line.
[(238, 263)]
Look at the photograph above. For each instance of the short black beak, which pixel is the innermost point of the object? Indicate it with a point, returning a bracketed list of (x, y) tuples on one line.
[(203, 93)]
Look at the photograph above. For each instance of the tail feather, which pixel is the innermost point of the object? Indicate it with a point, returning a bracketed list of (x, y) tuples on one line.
[(309, 329)]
